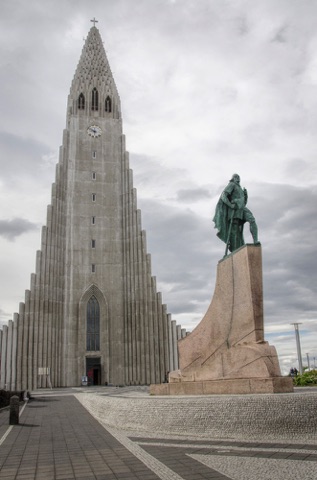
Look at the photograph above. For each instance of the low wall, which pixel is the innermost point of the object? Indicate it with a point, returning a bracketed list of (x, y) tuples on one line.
[(270, 417)]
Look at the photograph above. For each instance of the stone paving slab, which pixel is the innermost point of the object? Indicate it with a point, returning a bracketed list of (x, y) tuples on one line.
[(232, 460), (275, 456), (59, 439), (4, 419)]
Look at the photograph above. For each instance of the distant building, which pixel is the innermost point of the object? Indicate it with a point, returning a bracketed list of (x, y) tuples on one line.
[(92, 308)]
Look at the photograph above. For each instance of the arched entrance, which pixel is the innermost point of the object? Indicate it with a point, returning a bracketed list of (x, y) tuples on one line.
[(93, 370), (93, 336)]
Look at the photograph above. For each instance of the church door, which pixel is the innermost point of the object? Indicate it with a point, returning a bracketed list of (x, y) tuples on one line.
[(93, 370)]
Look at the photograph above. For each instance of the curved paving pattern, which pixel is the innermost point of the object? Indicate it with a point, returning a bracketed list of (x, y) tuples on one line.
[(59, 439), (283, 416)]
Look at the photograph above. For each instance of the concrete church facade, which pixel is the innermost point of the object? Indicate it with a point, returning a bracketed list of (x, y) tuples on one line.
[(92, 307)]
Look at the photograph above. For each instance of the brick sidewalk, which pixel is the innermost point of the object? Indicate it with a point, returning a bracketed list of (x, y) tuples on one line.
[(58, 439)]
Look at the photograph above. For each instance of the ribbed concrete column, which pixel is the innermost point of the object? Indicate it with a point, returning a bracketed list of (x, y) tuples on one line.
[(160, 337), (63, 304), (126, 262), (156, 332), (54, 278), (25, 342), (61, 273), (174, 340), (60, 311), (127, 272), (57, 290), (150, 320), (144, 330), (36, 319), (165, 340), (170, 343), (178, 332), (20, 346), (41, 343), (139, 304), (134, 266), (14, 351), (132, 287), (3, 355), (49, 294), (30, 354), (9, 355), (147, 375)]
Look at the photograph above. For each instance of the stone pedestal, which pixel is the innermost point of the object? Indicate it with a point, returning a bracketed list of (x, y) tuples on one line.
[(226, 352)]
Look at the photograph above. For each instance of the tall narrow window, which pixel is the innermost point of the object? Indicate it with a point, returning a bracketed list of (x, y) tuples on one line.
[(93, 268), (108, 104), (93, 324), (93, 197), (93, 220), (94, 99), (94, 154), (93, 175), (93, 243), (81, 102)]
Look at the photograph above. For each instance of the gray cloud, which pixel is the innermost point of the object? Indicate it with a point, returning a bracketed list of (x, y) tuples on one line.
[(20, 157), (10, 229), (193, 195), (281, 35)]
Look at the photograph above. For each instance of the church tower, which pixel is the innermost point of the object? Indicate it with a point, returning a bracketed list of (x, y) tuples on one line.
[(92, 308)]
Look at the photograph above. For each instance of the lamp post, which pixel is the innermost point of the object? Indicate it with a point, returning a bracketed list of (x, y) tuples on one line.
[(308, 361), (299, 353)]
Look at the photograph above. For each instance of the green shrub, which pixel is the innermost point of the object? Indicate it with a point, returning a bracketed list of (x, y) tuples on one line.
[(307, 378)]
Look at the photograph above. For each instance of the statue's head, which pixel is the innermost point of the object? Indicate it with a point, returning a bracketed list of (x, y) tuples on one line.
[(235, 178)]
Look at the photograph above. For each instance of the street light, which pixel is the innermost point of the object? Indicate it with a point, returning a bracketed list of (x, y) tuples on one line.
[(308, 361), (299, 353)]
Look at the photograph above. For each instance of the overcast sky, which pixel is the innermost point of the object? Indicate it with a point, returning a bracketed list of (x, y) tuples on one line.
[(208, 88)]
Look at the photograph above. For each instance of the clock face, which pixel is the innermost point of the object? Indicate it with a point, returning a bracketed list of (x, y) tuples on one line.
[(94, 131)]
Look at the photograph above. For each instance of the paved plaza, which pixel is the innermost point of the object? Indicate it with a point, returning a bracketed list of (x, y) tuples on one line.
[(59, 439)]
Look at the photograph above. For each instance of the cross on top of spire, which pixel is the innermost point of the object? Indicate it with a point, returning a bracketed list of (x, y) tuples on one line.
[(94, 21)]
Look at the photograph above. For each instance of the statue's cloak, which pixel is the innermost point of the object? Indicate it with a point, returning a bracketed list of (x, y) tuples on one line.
[(222, 220)]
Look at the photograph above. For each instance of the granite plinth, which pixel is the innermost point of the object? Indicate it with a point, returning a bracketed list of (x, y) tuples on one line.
[(238, 386), (227, 352)]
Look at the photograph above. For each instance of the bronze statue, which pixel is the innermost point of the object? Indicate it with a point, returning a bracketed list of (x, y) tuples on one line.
[(231, 215)]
